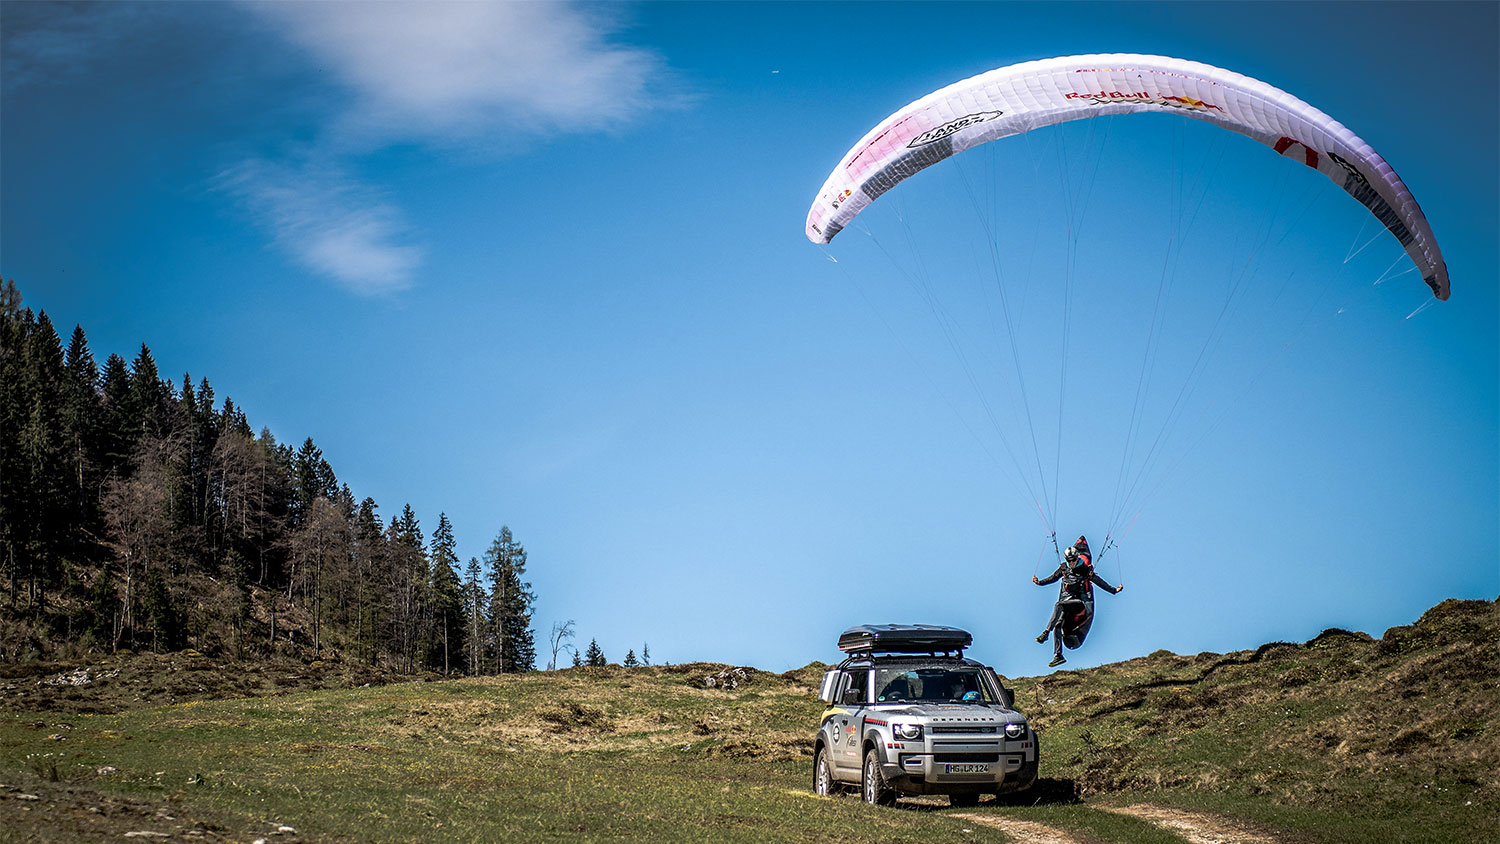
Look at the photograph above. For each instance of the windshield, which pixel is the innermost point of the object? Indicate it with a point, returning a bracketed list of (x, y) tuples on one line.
[(932, 684)]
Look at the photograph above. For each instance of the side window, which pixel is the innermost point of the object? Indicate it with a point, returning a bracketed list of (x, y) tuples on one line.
[(856, 679)]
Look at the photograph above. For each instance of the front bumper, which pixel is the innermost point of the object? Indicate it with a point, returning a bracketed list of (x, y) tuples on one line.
[(949, 769)]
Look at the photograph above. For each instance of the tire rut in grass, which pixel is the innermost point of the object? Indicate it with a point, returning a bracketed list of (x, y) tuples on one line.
[(1196, 827), (1024, 832)]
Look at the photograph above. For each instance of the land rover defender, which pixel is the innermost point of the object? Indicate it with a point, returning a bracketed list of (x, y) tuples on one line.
[(908, 714)]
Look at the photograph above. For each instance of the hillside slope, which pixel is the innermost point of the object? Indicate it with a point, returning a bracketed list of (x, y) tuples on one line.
[(1404, 725), (1343, 739)]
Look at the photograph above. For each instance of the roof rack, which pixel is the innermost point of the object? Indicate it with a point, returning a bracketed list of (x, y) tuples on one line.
[(904, 639)]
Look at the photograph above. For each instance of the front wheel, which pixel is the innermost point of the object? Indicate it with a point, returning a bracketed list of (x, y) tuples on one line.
[(875, 790), (823, 775)]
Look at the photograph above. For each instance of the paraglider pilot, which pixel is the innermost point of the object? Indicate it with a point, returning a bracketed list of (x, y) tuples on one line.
[(1074, 612)]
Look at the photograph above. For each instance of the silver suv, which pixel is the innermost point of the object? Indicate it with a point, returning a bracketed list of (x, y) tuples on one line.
[(908, 714)]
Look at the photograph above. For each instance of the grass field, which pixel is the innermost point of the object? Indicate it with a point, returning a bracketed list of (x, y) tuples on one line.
[(1344, 739)]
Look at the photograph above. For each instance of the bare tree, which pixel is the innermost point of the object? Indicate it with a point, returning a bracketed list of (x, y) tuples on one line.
[(561, 631), (317, 549), (238, 467), (137, 515)]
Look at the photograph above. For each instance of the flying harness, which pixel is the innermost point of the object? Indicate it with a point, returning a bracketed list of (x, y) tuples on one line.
[(1078, 584)]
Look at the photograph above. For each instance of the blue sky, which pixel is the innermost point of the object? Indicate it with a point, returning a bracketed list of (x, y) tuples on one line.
[(542, 265)]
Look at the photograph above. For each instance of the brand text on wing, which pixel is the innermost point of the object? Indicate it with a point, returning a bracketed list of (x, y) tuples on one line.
[(952, 126)]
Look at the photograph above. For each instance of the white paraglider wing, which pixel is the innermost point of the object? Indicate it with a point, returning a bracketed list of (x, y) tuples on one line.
[(1022, 97)]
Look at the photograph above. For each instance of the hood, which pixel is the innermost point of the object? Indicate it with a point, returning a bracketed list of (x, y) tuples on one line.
[(956, 714)]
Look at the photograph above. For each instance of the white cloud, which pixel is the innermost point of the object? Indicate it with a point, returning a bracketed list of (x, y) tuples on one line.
[(483, 77), (466, 75), (458, 71), (328, 222)]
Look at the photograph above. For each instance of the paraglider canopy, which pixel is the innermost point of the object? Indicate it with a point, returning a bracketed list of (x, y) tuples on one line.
[(1021, 97)]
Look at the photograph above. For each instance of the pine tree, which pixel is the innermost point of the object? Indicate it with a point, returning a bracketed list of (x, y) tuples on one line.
[(408, 583), (190, 472), (83, 420), (43, 507), (163, 618), (510, 604), (277, 494), (312, 478), (12, 336), (148, 397), (447, 597), (203, 436), (232, 419), (370, 554), (645, 654), (119, 437), (594, 657), (474, 616), (630, 660), (15, 325), (577, 658)]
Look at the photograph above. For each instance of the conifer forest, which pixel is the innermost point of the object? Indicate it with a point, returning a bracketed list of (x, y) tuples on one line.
[(141, 512)]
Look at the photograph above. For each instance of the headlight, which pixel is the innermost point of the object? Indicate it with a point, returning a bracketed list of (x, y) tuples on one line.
[(1015, 731), (907, 732)]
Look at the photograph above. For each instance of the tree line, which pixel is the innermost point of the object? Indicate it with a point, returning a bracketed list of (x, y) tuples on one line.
[(563, 631), (137, 513)]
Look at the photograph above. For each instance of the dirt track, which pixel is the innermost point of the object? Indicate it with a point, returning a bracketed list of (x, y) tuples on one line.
[(1024, 832), (1196, 827)]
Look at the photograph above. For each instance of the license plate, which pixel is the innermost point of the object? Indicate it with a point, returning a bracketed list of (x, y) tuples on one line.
[(966, 768)]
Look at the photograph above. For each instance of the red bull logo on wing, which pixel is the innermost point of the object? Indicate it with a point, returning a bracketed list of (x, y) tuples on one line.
[(1288, 146), (1189, 102), (1108, 95), (1142, 97)]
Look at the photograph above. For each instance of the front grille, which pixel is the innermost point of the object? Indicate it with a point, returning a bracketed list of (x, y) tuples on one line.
[(963, 729), (938, 745), (966, 757)]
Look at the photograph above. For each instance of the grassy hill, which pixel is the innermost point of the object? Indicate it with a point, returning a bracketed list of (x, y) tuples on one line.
[(1341, 739), (1349, 737)]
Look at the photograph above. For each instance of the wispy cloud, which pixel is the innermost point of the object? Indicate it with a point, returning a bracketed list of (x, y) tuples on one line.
[(484, 76), (479, 78), (328, 222), (449, 72)]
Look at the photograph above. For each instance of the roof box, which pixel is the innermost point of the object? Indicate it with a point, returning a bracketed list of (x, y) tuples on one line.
[(904, 638)]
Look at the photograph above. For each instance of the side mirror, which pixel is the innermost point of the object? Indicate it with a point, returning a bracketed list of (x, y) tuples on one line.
[(830, 682)]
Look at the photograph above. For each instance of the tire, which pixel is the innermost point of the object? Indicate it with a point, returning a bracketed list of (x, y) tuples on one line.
[(963, 801), (874, 789), (823, 784)]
